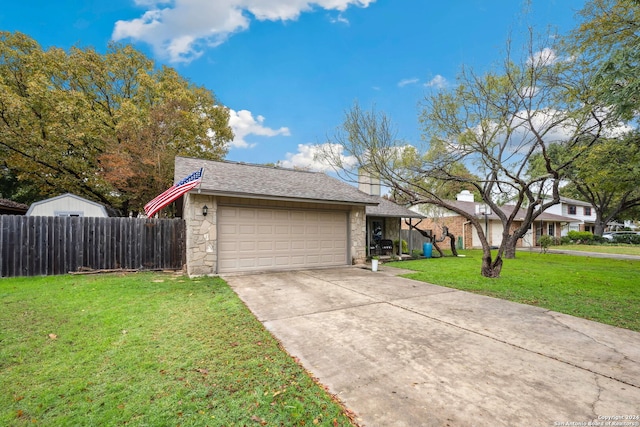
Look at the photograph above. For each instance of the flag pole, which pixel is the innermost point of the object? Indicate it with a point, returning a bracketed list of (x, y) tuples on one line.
[(201, 175)]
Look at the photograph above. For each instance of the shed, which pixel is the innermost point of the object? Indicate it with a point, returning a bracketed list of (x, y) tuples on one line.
[(67, 205)]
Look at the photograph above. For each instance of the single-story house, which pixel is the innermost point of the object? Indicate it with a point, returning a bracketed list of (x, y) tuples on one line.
[(9, 207), (67, 205), (545, 224), (246, 217)]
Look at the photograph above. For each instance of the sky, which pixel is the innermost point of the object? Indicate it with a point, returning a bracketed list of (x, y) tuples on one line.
[(288, 70)]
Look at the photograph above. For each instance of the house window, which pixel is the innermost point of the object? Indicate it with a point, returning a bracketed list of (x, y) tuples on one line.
[(587, 211), (572, 210), (552, 229)]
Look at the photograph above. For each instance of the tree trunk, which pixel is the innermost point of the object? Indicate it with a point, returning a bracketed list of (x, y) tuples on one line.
[(453, 243), (435, 245), (510, 247), (491, 268), (599, 225)]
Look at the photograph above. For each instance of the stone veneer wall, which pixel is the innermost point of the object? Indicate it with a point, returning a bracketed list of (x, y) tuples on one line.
[(358, 234), (202, 239)]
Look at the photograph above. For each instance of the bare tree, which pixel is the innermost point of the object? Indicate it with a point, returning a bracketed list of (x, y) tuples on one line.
[(495, 125)]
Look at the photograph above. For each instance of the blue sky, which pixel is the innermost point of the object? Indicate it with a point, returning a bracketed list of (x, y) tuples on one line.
[(289, 69)]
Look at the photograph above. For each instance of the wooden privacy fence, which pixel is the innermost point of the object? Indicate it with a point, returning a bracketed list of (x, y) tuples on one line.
[(39, 245)]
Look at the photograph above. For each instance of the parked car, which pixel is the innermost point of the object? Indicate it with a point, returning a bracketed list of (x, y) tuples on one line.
[(610, 235)]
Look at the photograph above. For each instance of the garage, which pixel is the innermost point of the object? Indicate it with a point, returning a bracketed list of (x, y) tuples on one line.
[(257, 238), (248, 218)]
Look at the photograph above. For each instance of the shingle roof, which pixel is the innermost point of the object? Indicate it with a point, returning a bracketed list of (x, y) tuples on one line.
[(7, 205), (247, 180), (470, 208), (387, 208), (574, 201)]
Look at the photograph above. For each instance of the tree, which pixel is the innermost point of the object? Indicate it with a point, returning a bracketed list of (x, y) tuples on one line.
[(607, 176), (495, 124), (606, 46), (106, 127)]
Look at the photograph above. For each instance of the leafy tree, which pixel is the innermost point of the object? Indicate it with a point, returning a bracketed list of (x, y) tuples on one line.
[(495, 124), (606, 46), (106, 127), (607, 176)]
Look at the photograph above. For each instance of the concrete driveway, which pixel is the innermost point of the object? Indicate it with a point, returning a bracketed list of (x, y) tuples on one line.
[(403, 353)]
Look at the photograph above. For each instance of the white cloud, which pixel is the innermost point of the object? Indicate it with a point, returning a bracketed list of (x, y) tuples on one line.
[(340, 19), (180, 30), (544, 57), (306, 157), (437, 82), (243, 124), (405, 82)]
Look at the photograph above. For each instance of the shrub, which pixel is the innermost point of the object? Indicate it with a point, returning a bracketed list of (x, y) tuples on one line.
[(581, 237), (633, 239), (545, 241), (416, 253), (405, 247), (565, 240)]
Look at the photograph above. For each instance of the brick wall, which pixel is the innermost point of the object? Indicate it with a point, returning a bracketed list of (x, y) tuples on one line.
[(456, 225)]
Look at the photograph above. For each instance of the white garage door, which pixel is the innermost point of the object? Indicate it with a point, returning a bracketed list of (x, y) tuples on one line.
[(267, 239)]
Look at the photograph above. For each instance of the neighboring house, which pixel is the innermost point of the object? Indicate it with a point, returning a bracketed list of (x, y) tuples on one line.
[(252, 218), (67, 205), (582, 215), (545, 224), (9, 207), (384, 221)]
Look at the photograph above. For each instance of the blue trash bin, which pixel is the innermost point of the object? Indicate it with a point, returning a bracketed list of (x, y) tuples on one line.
[(427, 248)]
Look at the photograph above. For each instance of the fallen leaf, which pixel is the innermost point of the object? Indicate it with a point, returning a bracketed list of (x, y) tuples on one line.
[(259, 420), (202, 371), (53, 336)]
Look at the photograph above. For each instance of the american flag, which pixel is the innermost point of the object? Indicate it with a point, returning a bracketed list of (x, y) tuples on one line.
[(173, 193)]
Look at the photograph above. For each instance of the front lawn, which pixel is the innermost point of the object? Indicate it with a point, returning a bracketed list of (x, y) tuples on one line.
[(604, 249), (146, 350), (604, 290)]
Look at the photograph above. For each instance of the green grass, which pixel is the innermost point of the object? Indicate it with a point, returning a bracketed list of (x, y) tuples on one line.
[(146, 350), (604, 290), (605, 249)]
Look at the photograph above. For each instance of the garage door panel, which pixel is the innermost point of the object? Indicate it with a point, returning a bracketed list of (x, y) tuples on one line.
[(246, 214), (265, 229), (265, 262), (264, 215), (262, 246), (246, 246), (298, 245), (298, 260), (247, 229), (264, 238)]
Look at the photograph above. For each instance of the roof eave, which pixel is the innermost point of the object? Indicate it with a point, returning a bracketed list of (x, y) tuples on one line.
[(281, 198)]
